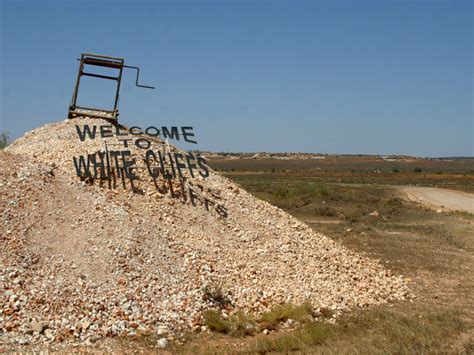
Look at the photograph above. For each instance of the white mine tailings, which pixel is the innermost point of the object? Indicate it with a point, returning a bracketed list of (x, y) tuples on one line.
[(85, 259)]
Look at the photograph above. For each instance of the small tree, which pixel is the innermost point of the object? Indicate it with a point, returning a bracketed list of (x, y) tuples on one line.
[(4, 140)]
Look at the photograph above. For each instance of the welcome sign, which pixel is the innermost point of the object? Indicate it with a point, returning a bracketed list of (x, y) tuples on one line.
[(165, 164)]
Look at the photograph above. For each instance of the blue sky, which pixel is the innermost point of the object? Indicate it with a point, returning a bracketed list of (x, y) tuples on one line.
[(360, 77)]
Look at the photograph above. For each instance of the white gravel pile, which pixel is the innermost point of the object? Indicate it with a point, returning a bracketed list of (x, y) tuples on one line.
[(80, 261)]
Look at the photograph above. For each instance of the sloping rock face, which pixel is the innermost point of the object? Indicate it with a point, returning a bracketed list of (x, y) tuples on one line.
[(84, 257)]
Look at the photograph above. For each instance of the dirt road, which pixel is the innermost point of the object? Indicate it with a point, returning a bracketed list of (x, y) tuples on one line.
[(450, 200)]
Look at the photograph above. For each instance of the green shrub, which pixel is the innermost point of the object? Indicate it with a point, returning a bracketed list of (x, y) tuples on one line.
[(281, 313), (215, 322), (311, 334), (237, 325), (324, 191), (242, 325), (4, 140), (214, 294), (326, 211), (281, 192)]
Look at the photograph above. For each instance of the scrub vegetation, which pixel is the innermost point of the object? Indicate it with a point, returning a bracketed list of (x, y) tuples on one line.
[(433, 250)]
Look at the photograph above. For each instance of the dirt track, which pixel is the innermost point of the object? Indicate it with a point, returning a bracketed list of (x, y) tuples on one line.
[(445, 199)]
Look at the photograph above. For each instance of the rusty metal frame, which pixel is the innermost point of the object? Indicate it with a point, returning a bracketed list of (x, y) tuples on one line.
[(106, 62)]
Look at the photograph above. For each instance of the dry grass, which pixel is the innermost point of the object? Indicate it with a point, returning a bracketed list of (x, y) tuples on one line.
[(281, 313), (373, 331), (434, 251), (376, 330), (237, 325)]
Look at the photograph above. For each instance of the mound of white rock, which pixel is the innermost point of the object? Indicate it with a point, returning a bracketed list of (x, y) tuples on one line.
[(81, 260)]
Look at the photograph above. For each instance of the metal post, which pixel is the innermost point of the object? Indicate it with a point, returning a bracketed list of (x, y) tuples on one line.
[(119, 80), (76, 88)]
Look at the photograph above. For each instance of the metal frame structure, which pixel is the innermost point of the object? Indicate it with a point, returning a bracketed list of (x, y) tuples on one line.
[(105, 62)]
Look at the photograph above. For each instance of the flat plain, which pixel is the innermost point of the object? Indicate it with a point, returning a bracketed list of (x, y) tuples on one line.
[(361, 202)]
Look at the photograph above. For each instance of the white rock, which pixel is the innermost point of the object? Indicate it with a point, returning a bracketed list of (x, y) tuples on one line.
[(162, 330), (162, 343)]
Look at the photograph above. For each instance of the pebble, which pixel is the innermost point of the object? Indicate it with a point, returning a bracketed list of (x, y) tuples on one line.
[(39, 327), (162, 330), (162, 343)]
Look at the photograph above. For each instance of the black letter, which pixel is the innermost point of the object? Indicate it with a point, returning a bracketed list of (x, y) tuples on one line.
[(173, 135), (126, 165), (81, 165), (179, 165), (133, 128), (125, 141), (191, 166), (166, 173), (202, 164), (172, 165), (98, 165), (155, 172), (114, 154), (192, 196), (207, 202), (106, 131), (157, 131), (222, 211), (146, 141), (117, 131), (82, 135), (188, 134)]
